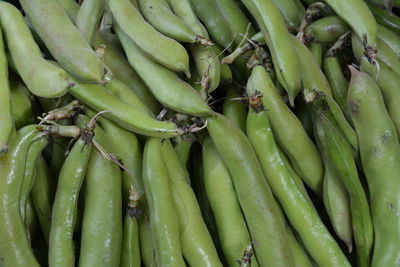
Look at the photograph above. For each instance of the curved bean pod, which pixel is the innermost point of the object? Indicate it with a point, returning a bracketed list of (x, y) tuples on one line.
[(196, 242), (89, 16), (27, 58), (21, 105), (232, 227), (327, 29), (280, 44), (160, 48), (163, 218), (380, 157), (300, 212), (63, 217), (166, 86), (64, 41), (233, 108), (262, 213), (386, 18), (390, 38), (70, 6), (290, 12)]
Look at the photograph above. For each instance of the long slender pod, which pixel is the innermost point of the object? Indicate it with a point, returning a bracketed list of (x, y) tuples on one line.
[(279, 42), (89, 16), (261, 211), (380, 157), (391, 38), (64, 41)]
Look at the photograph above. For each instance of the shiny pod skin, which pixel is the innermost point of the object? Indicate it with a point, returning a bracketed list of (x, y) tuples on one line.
[(380, 157), (327, 29), (263, 214), (64, 41)]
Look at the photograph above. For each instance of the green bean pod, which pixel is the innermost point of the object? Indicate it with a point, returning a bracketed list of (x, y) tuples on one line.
[(388, 82), (380, 157), (317, 50), (42, 196), (147, 250), (279, 42), (232, 228), (299, 254), (337, 80), (162, 212), (327, 29), (386, 18), (382, 3), (385, 53), (291, 13), (31, 159), (63, 217), (102, 216), (299, 210), (21, 105), (337, 205), (236, 19), (6, 118), (338, 152), (160, 15), (42, 78), (97, 97), (234, 109), (166, 86), (363, 24), (262, 213), (15, 249), (302, 152), (119, 65), (64, 41), (160, 48), (391, 38), (89, 16), (130, 251), (209, 13), (196, 242), (313, 79)]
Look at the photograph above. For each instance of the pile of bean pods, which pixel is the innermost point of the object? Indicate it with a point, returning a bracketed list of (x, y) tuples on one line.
[(199, 133)]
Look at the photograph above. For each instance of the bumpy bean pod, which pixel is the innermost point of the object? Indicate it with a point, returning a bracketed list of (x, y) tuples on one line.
[(380, 157), (262, 213), (160, 48), (64, 41), (42, 78)]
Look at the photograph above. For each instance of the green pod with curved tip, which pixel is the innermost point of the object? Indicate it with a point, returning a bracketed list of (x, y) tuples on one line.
[(196, 242), (233, 108), (164, 223), (208, 12), (279, 42), (165, 85), (35, 149), (337, 205), (42, 194), (385, 53), (15, 249), (339, 84), (263, 215), (291, 13), (339, 153), (236, 19), (232, 229), (6, 115), (21, 105), (388, 81), (208, 66), (119, 65), (64, 41), (363, 24), (299, 210), (391, 38), (386, 18), (302, 152), (327, 29), (127, 95), (380, 157), (42, 78), (89, 16), (97, 97), (63, 217), (160, 15), (160, 48)]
